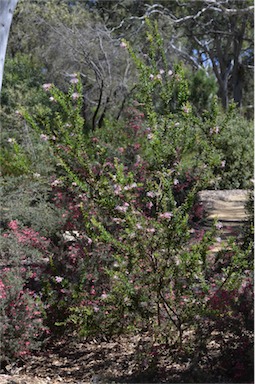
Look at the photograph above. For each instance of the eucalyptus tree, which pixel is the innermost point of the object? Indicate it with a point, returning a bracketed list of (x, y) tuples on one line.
[(7, 8), (211, 35)]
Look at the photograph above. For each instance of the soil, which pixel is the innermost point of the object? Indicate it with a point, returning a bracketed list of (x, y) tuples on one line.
[(123, 360)]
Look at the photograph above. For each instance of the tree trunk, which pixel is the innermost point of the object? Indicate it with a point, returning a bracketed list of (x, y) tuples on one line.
[(223, 94), (238, 85), (7, 8)]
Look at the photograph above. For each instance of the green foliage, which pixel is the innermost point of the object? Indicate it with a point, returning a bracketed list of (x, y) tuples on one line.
[(155, 274), (235, 142), (21, 152), (14, 161), (28, 200), (203, 89)]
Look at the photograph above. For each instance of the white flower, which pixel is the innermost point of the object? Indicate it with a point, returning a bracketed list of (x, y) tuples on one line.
[(44, 137), (122, 208), (11, 140), (131, 186), (55, 183), (47, 86)]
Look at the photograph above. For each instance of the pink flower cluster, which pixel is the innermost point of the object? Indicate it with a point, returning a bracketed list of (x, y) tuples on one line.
[(28, 236)]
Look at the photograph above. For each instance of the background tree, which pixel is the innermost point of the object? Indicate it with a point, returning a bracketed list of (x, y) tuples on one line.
[(68, 38), (7, 8), (209, 35)]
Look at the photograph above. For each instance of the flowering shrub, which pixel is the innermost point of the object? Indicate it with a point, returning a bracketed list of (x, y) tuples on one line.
[(22, 310), (129, 259), (22, 314)]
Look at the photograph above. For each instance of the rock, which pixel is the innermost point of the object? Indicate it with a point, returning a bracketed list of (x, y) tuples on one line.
[(228, 206)]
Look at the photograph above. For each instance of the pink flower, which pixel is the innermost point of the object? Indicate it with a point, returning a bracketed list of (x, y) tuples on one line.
[(58, 279), (219, 225), (2, 290), (151, 194), (122, 208), (75, 96), (150, 230), (166, 215), (151, 76), (13, 224), (123, 44), (89, 240), (149, 205), (92, 292), (186, 109), (74, 80), (117, 189)]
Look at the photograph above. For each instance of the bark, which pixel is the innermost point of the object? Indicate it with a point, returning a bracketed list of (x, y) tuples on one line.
[(7, 8)]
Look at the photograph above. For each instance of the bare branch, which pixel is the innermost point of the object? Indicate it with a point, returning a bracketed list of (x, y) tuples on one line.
[(186, 56)]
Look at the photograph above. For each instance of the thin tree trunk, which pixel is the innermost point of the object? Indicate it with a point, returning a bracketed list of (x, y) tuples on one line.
[(238, 85), (223, 94), (7, 8)]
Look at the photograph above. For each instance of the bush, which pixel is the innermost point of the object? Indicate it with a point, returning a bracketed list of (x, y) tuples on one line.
[(22, 253), (149, 274), (128, 255)]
